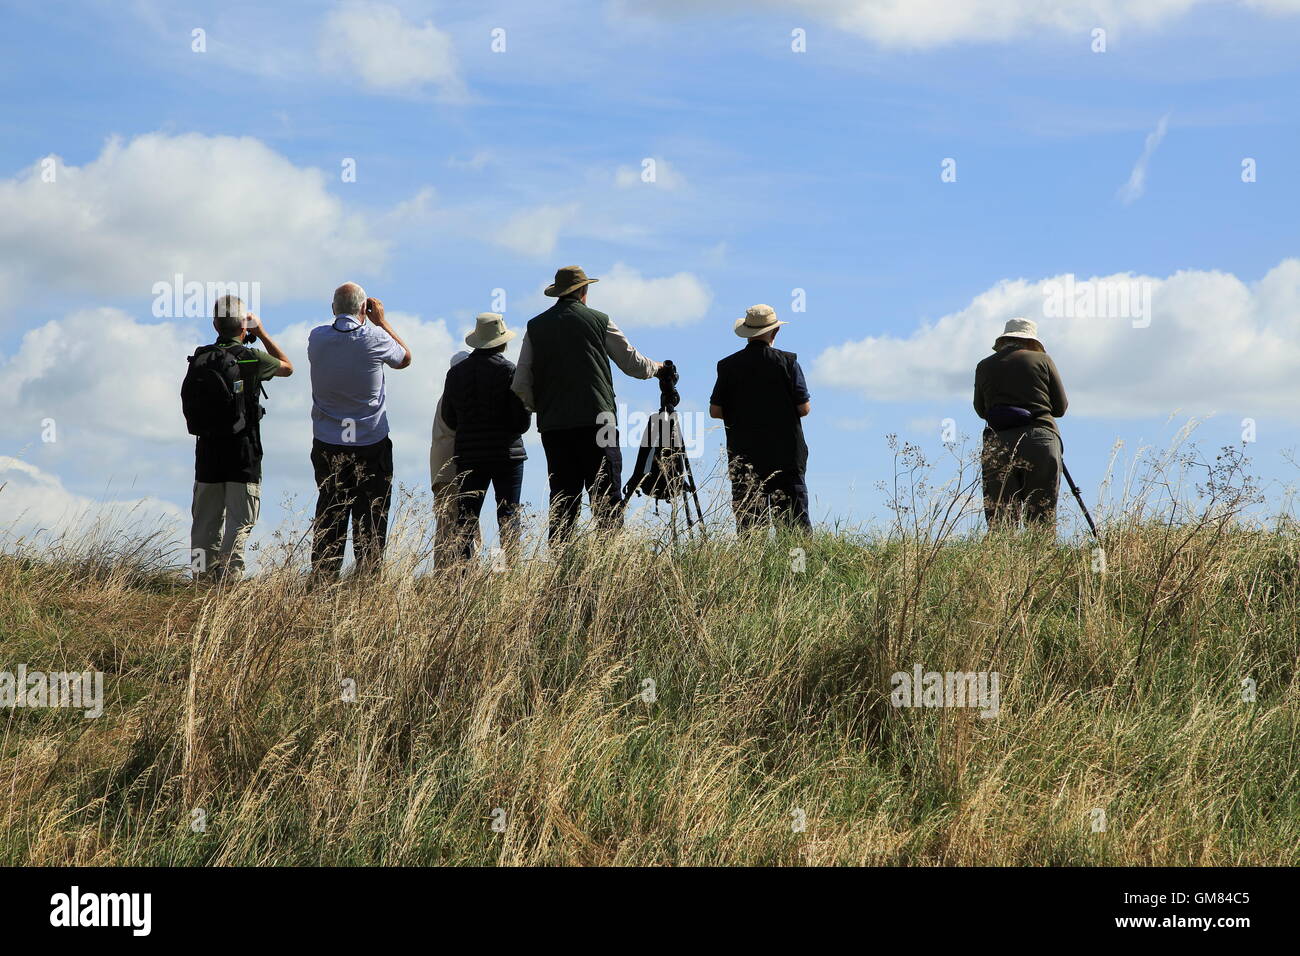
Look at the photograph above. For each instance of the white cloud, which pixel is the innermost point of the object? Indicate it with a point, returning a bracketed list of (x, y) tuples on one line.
[(535, 231), (634, 301), (36, 507), (1214, 344), (1132, 190), (84, 373), (213, 208), (388, 52), (923, 24)]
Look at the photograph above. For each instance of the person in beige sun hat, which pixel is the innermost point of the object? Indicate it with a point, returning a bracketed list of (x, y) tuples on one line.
[(761, 396), (487, 421), (1018, 393), (489, 331), (758, 320), (1017, 329)]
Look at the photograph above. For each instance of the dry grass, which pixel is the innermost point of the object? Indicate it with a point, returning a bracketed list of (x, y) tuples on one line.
[(522, 692)]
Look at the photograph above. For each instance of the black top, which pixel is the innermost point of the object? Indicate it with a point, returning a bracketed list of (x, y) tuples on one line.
[(760, 389), (239, 457), (478, 405)]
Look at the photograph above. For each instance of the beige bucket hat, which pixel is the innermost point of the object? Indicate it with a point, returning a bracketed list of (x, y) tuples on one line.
[(758, 319), (1019, 329), (568, 279), (489, 331)]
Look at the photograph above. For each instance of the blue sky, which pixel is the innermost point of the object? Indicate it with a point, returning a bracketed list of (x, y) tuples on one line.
[(776, 170)]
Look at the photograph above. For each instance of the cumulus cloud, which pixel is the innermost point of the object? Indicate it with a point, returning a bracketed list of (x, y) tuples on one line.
[(35, 506), (81, 373), (212, 208), (633, 300), (1213, 344), (388, 52), (1132, 190)]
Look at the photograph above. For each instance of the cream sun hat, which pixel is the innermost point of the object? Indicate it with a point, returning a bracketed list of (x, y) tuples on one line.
[(1019, 329), (758, 319), (489, 331)]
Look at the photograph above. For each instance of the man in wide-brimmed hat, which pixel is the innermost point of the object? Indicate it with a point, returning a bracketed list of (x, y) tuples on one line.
[(1018, 392), (564, 376), (762, 397), (489, 421)]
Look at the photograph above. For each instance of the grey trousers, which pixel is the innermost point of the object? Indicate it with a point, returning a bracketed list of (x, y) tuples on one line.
[(1022, 474), (224, 513)]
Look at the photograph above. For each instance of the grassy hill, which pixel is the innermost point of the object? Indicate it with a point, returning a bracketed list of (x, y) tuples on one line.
[(505, 717)]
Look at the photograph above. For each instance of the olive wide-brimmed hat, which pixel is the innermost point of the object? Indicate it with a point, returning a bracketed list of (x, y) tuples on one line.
[(489, 331), (1019, 329), (758, 319), (568, 279)]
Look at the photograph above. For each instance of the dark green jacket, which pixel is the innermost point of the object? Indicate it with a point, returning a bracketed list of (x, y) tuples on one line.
[(572, 384), (1022, 378)]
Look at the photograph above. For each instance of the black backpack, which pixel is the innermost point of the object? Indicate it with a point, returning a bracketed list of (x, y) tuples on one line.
[(219, 393)]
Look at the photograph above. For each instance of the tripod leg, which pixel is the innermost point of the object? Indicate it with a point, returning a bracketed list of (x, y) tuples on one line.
[(695, 495)]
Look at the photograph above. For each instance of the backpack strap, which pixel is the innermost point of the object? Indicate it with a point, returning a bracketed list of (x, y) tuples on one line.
[(248, 371)]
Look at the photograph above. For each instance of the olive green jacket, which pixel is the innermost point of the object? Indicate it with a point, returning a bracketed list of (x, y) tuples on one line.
[(1023, 378)]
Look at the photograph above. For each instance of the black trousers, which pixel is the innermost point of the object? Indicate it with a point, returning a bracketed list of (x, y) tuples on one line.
[(781, 493), (576, 460), (356, 482), (506, 478)]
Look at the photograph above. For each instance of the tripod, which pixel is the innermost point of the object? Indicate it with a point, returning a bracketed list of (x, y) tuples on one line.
[(1079, 498), (663, 470)]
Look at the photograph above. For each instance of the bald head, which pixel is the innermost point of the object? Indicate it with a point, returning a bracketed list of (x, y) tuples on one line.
[(349, 299)]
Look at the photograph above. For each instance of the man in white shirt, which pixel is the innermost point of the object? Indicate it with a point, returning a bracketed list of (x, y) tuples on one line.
[(352, 455)]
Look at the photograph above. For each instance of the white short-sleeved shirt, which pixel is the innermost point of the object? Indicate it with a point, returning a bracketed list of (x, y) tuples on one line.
[(347, 360)]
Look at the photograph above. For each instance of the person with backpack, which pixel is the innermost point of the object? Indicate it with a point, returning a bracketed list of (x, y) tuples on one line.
[(219, 398), (489, 421), (762, 397), (352, 455), (1018, 393)]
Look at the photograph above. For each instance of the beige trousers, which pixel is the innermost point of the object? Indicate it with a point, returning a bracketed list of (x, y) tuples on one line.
[(224, 513), (446, 545)]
